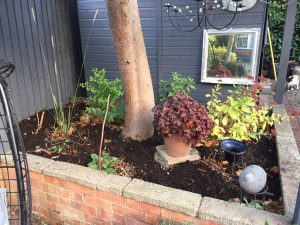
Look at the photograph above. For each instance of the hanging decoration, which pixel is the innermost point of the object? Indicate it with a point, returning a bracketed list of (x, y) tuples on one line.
[(200, 14)]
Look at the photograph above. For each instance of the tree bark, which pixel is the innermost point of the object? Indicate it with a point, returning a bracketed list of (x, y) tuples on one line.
[(134, 68), (229, 48)]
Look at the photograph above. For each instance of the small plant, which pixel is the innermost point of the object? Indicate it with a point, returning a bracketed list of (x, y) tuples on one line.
[(220, 71), (63, 120), (239, 117), (183, 116), (59, 147), (99, 88), (109, 163), (256, 204), (177, 84)]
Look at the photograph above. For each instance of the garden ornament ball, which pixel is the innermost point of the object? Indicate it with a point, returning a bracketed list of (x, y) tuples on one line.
[(253, 179)]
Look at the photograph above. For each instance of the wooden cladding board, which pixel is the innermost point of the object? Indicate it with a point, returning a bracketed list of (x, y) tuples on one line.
[(168, 49), (20, 40)]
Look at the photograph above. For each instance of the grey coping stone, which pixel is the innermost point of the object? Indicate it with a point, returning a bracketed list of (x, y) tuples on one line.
[(287, 149), (37, 163), (283, 129), (280, 108), (289, 193), (166, 197), (235, 214), (78, 174), (113, 184), (7, 158)]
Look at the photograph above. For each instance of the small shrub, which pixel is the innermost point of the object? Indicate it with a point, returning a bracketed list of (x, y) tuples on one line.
[(219, 71), (99, 87), (63, 120), (183, 116), (109, 164), (59, 147), (217, 56), (177, 84), (239, 117)]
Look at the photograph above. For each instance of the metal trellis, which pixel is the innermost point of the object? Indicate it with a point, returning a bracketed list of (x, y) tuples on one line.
[(15, 191)]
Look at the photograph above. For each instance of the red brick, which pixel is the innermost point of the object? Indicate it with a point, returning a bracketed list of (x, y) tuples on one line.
[(135, 214), (52, 206), (91, 219), (152, 219), (119, 209), (52, 198), (70, 194), (38, 193), (104, 214), (96, 202), (133, 204), (84, 208), (63, 201), (49, 188), (179, 217), (118, 219), (81, 189), (36, 175), (131, 221), (110, 197), (42, 211), (206, 222), (56, 181), (151, 209)]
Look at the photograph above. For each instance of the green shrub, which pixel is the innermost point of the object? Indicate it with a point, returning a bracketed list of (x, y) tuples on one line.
[(99, 87), (217, 56), (178, 83), (276, 16), (239, 117), (109, 163)]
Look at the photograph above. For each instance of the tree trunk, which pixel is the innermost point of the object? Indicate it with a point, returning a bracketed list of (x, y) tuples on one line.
[(133, 64), (229, 48)]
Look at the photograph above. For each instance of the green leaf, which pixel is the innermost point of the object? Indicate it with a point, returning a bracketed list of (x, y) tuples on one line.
[(94, 157)]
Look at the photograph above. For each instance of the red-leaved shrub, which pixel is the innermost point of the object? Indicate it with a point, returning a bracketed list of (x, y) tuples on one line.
[(183, 116)]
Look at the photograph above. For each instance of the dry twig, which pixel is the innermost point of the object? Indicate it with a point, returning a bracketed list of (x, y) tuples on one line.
[(102, 132)]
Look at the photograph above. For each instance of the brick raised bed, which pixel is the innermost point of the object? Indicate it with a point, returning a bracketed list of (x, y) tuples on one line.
[(64, 193)]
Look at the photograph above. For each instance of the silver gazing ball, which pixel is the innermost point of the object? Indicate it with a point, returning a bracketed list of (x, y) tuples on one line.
[(253, 179)]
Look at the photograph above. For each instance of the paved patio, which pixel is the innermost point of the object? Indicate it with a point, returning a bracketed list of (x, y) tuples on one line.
[(292, 104)]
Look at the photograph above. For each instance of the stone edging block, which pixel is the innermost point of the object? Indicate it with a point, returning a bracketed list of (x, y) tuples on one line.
[(289, 162), (75, 173), (113, 184), (234, 214), (166, 197)]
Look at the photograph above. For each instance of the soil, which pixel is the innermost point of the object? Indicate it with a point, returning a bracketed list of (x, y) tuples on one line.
[(210, 176)]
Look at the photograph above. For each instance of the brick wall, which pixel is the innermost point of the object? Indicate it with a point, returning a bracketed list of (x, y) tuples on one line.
[(57, 201)]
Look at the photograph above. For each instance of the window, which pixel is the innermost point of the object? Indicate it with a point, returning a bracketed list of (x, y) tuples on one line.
[(230, 56)]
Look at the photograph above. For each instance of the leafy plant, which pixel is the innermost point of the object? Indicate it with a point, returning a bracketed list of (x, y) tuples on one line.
[(63, 120), (256, 204), (61, 146), (99, 88), (178, 83), (239, 117), (109, 163), (219, 71), (217, 56), (183, 116), (276, 16)]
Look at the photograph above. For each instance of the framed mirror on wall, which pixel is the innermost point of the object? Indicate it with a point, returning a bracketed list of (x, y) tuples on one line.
[(230, 56)]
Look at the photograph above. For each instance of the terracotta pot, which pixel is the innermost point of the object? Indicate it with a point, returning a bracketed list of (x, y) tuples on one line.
[(176, 147)]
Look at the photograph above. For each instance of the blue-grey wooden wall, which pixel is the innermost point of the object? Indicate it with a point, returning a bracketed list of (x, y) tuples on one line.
[(20, 40), (168, 49)]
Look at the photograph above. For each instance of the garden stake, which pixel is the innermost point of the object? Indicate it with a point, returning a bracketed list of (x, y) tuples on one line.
[(40, 122), (102, 132)]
